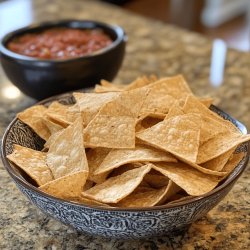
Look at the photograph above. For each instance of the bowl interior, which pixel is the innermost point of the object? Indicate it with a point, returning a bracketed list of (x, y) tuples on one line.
[(20, 133)]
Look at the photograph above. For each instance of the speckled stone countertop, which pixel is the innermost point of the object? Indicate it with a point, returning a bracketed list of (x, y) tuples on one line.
[(157, 48)]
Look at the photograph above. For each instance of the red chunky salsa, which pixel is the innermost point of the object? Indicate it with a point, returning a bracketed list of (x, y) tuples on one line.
[(60, 43)]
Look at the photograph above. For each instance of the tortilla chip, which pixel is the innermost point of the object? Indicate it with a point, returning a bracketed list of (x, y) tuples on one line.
[(95, 157), (210, 128), (88, 184), (175, 86), (193, 105), (191, 180), (143, 198), (175, 110), (233, 162), (90, 103), (116, 188), (205, 170), (170, 191), (33, 117), (219, 162), (51, 139), (110, 132), (52, 126), (141, 153), (32, 162), (128, 103), (104, 89), (157, 102), (86, 201), (66, 154), (149, 197), (156, 180), (178, 135), (139, 82), (106, 86), (66, 187), (125, 168), (207, 101), (105, 83), (150, 121), (64, 115), (219, 145)]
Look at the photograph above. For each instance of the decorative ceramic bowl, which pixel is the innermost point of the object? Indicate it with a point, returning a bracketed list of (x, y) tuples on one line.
[(41, 78), (115, 222)]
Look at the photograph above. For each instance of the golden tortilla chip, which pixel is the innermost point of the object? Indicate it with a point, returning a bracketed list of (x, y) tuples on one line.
[(157, 103), (106, 86), (95, 157), (156, 180), (233, 162), (64, 115), (125, 168), (32, 162), (170, 191), (33, 117), (141, 153), (66, 187), (90, 103), (147, 122), (219, 162), (88, 184), (110, 132), (205, 170), (148, 197), (106, 83), (128, 103), (86, 201), (104, 89), (207, 101), (178, 135), (193, 105), (116, 188), (140, 82), (52, 126), (219, 145), (175, 86), (175, 110), (191, 180), (51, 139), (142, 197), (210, 128), (67, 153)]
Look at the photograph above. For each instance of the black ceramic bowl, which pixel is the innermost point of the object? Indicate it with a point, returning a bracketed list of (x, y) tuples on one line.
[(41, 78), (115, 222)]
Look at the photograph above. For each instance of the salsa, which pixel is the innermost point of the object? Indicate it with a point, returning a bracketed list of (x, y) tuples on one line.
[(60, 43)]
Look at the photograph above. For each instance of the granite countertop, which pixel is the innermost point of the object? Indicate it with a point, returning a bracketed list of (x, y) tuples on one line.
[(160, 49)]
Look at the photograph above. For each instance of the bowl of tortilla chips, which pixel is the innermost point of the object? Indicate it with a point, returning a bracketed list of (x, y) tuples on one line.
[(126, 161)]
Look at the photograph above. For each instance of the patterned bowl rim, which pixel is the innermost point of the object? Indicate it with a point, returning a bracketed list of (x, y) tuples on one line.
[(231, 178)]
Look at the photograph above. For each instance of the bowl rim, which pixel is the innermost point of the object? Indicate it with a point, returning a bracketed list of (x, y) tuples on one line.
[(231, 178), (118, 30)]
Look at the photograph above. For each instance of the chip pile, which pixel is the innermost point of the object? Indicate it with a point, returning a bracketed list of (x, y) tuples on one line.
[(148, 143)]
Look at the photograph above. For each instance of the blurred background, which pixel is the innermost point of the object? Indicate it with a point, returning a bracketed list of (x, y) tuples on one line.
[(225, 19)]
